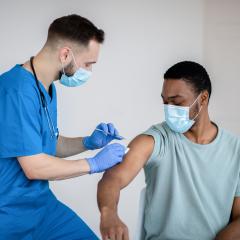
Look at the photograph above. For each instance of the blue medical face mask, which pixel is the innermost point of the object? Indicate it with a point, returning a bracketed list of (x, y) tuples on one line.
[(80, 77), (178, 118)]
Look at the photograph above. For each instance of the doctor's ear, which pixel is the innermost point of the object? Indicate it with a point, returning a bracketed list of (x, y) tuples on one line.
[(65, 55)]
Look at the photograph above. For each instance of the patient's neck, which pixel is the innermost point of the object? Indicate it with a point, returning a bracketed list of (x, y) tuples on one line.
[(204, 131)]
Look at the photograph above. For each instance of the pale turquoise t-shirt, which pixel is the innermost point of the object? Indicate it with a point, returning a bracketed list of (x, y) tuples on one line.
[(190, 187)]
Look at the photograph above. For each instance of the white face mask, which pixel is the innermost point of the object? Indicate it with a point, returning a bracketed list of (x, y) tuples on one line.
[(80, 77), (178, 118)]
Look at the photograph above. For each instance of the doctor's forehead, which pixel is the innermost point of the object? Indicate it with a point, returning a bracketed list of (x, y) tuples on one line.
[(91, 52), (176, 88)]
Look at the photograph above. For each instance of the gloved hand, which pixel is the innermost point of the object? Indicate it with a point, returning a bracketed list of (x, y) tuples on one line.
[(102, 135), (106, 158)]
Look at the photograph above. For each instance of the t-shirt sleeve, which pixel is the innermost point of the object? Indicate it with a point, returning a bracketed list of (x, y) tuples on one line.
[(237, 193), (159, 145), (20, 126)]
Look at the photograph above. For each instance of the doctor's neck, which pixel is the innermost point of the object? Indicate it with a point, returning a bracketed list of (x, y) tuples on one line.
[(46, 66)]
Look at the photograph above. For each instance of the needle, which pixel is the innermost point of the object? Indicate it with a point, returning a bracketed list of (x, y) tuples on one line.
[(107, 133)]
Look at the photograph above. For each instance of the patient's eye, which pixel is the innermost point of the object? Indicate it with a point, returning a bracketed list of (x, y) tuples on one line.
[(178, 103)]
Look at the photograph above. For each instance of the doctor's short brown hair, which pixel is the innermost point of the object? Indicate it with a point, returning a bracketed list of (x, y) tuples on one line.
[(75, 28)]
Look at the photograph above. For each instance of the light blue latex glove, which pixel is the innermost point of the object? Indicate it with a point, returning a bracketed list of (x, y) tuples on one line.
[(102, 135), (106, 158)]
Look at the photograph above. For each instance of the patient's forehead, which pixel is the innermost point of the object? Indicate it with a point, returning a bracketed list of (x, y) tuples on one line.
[(177, 87)]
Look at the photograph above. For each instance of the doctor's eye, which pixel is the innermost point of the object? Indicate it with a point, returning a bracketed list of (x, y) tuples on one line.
[(88, 66)]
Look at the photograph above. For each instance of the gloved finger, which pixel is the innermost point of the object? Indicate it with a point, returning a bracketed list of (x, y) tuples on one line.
[(104, 127), (120, 155), (111, 129), (121, 150), (117, 146), (119, 161), (116, 135)]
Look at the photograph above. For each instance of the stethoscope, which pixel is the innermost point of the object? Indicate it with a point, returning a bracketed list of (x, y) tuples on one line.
[(54, 132)]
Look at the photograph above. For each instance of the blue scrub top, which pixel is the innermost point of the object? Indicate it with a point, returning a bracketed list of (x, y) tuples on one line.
[(24, 131)]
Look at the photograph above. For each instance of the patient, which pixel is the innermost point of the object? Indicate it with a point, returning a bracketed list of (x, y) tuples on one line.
[(191, 168)]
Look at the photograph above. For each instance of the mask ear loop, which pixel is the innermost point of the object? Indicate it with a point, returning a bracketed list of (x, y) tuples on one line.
[(199, 110), (74, 59), (197, 114), (63, 68), (195, 100)]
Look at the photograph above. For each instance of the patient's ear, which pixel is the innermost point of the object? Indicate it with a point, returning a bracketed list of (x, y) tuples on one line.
[(204, 98)]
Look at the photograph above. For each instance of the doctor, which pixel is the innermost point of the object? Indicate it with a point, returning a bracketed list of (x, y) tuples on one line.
[(31, 150)]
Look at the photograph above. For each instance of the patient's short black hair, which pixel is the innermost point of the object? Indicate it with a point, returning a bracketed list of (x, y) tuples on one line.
[(192, 73)]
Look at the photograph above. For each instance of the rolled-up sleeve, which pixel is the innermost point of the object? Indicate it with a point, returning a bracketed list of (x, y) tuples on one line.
[(237, 193)]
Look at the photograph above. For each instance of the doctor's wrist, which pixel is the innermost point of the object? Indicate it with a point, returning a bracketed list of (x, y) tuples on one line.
[(86, 142), (84, 166)]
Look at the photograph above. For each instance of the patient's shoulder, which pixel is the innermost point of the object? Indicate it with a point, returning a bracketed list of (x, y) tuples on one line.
[(141, 146)]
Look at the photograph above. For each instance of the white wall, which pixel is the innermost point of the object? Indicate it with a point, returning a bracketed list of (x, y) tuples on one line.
[(222, 58), (143, 39)]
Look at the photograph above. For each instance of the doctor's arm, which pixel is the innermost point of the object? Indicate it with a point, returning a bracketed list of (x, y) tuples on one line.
[(67, 147), (232, 230), (46, 167), (101, 136), (116, 179)]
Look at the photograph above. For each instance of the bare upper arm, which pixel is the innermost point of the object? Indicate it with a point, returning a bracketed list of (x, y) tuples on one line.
[(141, 148), (235, 209)]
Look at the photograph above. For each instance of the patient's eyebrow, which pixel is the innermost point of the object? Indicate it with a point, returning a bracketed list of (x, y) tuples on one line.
[(172, 97)]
